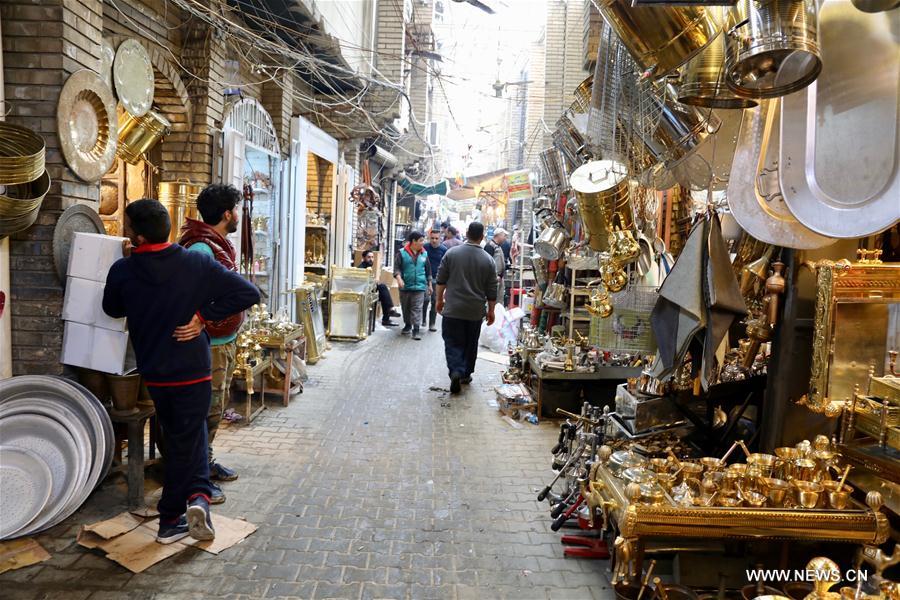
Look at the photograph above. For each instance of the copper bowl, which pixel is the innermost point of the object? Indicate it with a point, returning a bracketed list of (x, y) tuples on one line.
[(124, 390)]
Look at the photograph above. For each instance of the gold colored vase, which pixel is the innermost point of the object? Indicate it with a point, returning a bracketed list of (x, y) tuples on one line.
[(180, 199)]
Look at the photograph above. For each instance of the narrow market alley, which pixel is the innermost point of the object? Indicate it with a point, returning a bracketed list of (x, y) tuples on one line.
[(371, 484)]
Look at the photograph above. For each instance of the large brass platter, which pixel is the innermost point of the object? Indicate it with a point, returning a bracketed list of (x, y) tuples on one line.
[(133, 76), (86, 120)]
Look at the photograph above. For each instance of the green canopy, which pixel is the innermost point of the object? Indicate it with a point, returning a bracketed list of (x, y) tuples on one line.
[(419, 189)]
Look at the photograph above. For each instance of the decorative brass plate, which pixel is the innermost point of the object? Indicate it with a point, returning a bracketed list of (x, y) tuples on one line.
[(77, 218), (107, 56), (133, 76), (86, 119)]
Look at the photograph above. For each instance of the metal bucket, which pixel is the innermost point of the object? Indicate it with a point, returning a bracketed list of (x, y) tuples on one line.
[(552, 242), (604, 200), (682, 128), (772, 47), (138, 135), (569, 141), (124, 390), (554, 167), (661, 38), (703, 83), (180, 199), (21, 203), (555, 296)]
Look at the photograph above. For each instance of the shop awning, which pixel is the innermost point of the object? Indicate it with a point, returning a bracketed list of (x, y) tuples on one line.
[(420, 189)]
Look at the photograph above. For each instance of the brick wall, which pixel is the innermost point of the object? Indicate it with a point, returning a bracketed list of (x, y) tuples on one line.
[(564, 65), (390, 46), (534, 129), (42, 45)]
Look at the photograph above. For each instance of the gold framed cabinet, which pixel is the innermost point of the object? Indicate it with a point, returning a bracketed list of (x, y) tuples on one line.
[(349, 302), (857, 322), (309, 313)]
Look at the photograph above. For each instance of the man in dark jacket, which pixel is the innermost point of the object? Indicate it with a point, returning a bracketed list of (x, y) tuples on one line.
[(218, 207), (159, 287), (466, 281), (436, 251)]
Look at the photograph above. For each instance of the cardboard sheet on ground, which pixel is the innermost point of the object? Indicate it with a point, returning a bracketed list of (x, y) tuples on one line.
[(131, 541), (15, 554), (494, 357)]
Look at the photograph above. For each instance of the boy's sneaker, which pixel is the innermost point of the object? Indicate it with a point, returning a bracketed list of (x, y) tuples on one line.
[(219, 472), (406, 330), (416, 335), (199, 518), (217, 496), (172, 532)]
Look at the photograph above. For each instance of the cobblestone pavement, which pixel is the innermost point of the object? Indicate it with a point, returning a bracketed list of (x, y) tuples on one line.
[(371, 484)]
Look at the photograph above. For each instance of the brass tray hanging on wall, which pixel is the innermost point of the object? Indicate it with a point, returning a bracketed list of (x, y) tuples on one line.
[(86, 121)]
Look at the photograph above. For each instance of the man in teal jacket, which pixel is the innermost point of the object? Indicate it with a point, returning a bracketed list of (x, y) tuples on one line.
[(412, 271)]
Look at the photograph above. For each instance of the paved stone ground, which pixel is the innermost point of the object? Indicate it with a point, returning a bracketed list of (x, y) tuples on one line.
[(370, 485)]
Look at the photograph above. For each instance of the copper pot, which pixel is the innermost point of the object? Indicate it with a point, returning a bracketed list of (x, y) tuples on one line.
[(96, 383), (660, 38), (772, 47), (137, 135), (124, 390)]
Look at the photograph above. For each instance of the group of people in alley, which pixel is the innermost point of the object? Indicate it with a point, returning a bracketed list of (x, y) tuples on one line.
[(185, 304)]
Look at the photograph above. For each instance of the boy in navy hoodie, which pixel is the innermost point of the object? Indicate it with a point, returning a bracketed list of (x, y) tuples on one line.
[(167, 294)]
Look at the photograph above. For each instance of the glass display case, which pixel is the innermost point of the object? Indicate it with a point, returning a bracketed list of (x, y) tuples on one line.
[(261, 184)]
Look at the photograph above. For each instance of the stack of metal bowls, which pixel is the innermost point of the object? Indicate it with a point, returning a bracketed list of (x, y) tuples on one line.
[(23, 178), (56, 446)]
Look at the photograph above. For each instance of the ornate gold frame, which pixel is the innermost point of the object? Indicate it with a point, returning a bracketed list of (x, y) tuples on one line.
[(842, 282)]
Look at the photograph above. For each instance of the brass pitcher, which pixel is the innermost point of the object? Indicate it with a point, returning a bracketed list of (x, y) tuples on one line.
[(772, 47), (660, 38)]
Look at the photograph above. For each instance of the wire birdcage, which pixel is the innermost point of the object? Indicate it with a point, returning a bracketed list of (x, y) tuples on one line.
[(628, 329)]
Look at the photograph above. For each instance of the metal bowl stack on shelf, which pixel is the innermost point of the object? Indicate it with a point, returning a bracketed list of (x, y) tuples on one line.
[(23, 178), (56, 443)]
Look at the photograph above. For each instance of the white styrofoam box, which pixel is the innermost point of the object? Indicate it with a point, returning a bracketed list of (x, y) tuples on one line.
[(84, 304), (96, 348), (92, 255)]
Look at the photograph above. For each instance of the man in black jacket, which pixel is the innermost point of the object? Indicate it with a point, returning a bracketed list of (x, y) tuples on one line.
[(167, 294)]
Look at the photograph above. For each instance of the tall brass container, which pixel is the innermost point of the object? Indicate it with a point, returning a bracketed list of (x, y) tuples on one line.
[(180, 199), (661, 38), (604, 200), (772, 47), (138, 135), (703, 83)]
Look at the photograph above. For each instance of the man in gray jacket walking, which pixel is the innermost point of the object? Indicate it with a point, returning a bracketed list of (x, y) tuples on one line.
[(466, 281)]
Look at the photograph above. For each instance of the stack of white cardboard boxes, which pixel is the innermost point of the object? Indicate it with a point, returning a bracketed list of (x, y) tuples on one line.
[(92, 339)]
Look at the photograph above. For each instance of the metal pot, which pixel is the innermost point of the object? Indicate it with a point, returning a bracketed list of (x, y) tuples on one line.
[(772, 47), (660, 38), (552, 242), (138, 135), (180, 199), (540, 270), (702, 83), (569, 141), (681, 130), (554, 168), (604, 200), (874, 6), (555, 296)]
